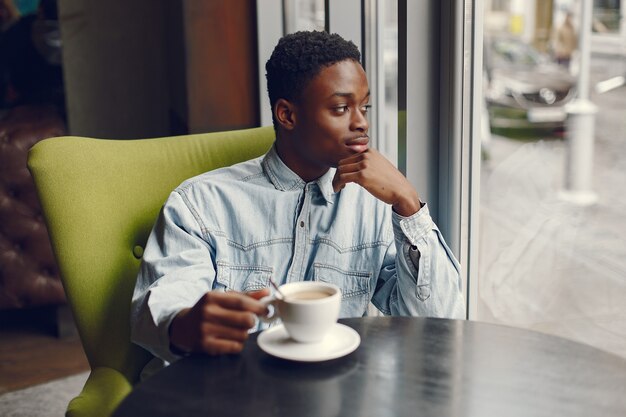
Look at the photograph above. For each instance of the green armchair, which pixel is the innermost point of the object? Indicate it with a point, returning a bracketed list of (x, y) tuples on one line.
[(100, 199)]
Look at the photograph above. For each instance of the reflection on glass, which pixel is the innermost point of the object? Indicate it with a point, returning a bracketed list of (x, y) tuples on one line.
[(546, 263)]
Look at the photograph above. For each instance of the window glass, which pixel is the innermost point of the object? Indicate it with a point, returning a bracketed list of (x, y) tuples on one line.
[(606, 16), (388, 143), (552, 255), (304, 15)]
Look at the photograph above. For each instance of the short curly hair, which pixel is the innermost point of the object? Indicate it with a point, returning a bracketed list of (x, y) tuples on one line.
[(299, 57)]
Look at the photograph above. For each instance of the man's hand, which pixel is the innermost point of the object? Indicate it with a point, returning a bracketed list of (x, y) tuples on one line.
[(218, 323), (377, 175)]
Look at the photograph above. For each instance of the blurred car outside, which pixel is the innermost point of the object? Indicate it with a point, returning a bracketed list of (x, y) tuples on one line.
[(524, 89)]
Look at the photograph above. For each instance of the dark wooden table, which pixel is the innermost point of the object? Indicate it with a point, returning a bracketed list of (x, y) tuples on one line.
[(403, 367)]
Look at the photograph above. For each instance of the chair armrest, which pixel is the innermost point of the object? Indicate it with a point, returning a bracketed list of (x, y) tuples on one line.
[(104, 390)]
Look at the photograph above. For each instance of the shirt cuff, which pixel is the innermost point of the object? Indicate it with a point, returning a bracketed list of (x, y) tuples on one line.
[(163, 348), (170, 353), (414, 227)]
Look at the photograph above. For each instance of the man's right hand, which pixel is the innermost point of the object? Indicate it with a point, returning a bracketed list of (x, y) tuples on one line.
[(218, 323)]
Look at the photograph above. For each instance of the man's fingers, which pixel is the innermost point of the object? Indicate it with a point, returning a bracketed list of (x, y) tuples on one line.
[(353, 167), (341, 180), (235, 301), (217, 323), (257, 295), (215, 346), (224, 332), (355, 157), (215, 313), (338, 185)]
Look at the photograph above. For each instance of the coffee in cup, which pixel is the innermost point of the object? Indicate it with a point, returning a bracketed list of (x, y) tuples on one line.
[(308, 310)]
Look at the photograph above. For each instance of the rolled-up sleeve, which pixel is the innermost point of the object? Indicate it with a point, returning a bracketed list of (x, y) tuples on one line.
[(420, 275), (176, 270)]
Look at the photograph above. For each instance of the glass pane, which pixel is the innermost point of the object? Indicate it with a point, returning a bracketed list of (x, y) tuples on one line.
[(606, 16), (389, 134), (552, 208), (380, 59), (304, 15)]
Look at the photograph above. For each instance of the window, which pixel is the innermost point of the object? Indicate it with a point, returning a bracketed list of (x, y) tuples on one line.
[(606, 16), (304, 15), (551, 251)]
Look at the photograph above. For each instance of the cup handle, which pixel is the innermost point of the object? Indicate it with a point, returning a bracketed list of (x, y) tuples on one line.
[(270, 303)]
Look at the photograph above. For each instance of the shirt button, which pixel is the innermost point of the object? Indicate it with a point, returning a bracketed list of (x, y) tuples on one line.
[(301, 223)]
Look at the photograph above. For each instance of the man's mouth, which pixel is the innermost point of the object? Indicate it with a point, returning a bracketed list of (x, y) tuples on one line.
[(359, 144)]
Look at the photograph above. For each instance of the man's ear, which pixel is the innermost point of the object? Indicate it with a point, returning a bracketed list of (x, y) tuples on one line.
[(285, 114)]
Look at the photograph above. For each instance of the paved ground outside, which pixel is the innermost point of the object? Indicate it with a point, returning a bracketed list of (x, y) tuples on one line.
[(546, 264)]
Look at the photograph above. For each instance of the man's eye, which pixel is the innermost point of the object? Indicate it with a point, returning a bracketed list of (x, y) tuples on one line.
[(366, 108), (341, 109)]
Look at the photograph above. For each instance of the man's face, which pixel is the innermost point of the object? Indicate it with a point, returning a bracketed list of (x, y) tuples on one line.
[(330, 119)]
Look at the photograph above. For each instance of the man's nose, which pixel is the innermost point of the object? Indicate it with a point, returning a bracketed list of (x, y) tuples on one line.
[(359, 121)]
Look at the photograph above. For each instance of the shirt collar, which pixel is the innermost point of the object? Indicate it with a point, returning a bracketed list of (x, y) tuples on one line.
[(284, 179)]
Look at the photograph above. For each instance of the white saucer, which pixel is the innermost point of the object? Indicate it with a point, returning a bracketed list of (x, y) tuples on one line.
[(339, 341)]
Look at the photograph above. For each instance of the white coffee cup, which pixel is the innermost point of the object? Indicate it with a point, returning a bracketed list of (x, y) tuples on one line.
[(308, 311)]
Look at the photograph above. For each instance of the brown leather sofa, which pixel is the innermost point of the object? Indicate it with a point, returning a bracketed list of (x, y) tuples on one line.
[(28, 273)]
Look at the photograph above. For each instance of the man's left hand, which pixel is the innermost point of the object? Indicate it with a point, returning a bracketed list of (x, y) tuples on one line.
[(376, 174)]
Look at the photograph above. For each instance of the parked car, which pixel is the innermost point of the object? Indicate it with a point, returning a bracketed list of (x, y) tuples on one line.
[(524, 88)]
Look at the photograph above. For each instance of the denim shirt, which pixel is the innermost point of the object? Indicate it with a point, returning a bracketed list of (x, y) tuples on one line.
[(233, 228)]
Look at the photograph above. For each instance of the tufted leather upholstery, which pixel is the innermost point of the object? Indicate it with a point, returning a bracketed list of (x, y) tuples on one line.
[(28, 272)]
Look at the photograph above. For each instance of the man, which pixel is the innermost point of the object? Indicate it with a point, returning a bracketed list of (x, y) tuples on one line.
[(320, 205), (565, 41)]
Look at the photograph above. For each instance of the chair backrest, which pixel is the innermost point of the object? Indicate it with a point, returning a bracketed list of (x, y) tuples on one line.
[(100, 199)]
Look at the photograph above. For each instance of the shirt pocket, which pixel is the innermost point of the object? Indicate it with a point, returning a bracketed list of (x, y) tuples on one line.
[(242, 278), (354, 285)]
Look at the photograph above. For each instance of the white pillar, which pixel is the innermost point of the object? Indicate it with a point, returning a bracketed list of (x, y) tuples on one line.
[(580, 124)]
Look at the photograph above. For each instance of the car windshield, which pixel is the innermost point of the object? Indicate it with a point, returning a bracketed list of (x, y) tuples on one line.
[(513, 52)]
